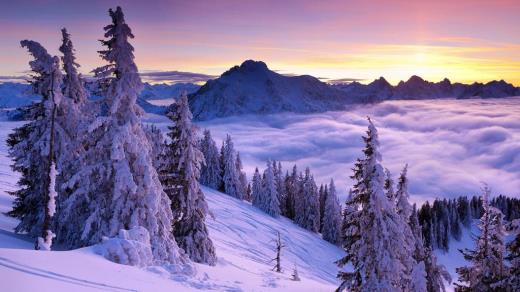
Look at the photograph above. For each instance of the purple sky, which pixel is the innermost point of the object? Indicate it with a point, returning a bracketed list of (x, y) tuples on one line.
[(462, 40)]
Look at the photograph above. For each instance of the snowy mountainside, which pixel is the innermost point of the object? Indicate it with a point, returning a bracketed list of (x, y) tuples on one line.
[(241, 233), (252, 88), (13, 95)]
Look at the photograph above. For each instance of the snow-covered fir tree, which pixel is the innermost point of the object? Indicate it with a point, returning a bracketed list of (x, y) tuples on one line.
[(332, 216), (322, 193), (230, 176), (403, 207), (307, 204), (377, 247), (35, 149), (280, 186), (269, 199), (73, 84), (242, 178), (179, 176), (211, 170), (291, 192), (257, 189), (487, 266), (157, 142), (389, 185), (118, 188), (512, 280)]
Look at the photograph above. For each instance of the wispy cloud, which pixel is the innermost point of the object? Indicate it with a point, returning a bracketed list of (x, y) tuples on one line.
[(175, 77)]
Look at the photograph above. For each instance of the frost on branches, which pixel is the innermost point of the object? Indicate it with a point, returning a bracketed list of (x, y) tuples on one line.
[(332, 216), (118, 184), (35, 147), (211, 170), (230, 175), (179, 175), (376, 247), (487, 266)]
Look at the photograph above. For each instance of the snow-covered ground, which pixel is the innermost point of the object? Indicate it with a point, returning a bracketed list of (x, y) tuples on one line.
[(242, 235)]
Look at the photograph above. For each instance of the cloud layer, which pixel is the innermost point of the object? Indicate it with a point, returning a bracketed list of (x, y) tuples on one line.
[(451, 146)]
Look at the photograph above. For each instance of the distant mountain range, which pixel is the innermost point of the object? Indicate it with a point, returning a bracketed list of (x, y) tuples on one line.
[(417, 88), (252, 88)]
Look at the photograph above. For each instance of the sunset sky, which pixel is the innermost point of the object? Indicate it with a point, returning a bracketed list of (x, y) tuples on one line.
[(465, 40)]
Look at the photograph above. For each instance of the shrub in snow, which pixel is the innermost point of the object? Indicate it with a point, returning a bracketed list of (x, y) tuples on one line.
[(130, 247)]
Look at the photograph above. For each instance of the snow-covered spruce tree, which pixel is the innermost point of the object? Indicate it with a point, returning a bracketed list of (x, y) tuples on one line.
[(179, 176), (307, 213), (291, 191), (210, 175), (376, 247), (295, 276), (118, 188), (512, 281), (322, 193), (403, 207), (389, 185), (249, 193), (487, 260), (35, 149), (280, 187), (242, 178), (332, 216), (269, 201), (157, 142), (435, 273), (257, 190), (73, 84), (230, 177)]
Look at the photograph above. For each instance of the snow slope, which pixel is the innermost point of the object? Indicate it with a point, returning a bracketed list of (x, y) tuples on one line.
[(242, 235)]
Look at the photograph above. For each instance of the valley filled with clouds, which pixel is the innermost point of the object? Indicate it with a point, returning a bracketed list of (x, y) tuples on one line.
[(451, 146)]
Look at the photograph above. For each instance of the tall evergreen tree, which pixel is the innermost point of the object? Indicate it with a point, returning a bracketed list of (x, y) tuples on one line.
[(376, 248), (179, 176), (291, 191), (35, 149), (307, 204), (487, 260), (211, 170), (257, 189), (332, 217), (269, 201), (118, 187), (389, 186), (73, 84), (242, 178), (403, 207), (512, 281), (230, 175)]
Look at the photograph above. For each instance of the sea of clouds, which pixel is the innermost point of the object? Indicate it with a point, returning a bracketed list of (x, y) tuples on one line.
[(451, 146)]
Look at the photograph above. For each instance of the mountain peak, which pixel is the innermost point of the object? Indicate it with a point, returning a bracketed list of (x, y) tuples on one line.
[(252, 65)]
